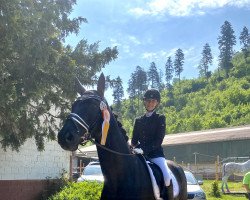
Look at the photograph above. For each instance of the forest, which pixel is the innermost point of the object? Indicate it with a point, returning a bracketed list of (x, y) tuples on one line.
[(213, 100)]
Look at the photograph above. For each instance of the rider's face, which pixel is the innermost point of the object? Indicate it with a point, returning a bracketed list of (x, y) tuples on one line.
[(150, 104)]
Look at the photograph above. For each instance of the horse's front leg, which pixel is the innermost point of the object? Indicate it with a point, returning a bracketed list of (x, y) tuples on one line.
[(104, 195), (222, 187), (227, 188)]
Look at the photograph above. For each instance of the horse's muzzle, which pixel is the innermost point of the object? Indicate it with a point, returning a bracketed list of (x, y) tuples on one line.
[(68, 141)]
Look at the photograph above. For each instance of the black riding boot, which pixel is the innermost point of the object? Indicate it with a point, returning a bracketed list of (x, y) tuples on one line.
[(169, 192)]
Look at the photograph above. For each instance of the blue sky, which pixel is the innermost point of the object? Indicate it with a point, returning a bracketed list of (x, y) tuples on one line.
[(148, 31)]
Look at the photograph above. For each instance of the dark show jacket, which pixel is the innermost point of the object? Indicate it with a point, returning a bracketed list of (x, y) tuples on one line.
[(150, 132)]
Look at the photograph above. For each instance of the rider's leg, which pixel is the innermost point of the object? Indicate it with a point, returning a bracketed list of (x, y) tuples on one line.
[(162, 163), (168, 192)]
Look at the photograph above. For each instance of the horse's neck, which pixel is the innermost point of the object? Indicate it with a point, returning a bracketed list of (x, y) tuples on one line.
[(111, 161)]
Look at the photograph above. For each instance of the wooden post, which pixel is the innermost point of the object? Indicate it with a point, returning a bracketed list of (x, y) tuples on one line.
[(217, 168), (80, 167), (70, 168), (218, 163), (195, 161)]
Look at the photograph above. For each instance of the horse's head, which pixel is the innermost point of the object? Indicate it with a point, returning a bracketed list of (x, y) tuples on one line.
[(85, 119)]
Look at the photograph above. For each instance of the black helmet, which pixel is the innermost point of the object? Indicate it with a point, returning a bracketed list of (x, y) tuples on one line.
[(152, 94)]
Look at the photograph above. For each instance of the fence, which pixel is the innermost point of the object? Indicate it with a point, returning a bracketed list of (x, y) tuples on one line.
[(211, 170)]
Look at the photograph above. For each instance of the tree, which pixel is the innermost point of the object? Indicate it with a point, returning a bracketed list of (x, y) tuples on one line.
[(169, 71), (161, 83), (178, 63), (226, 42), (137, 84), (38, 71), (153, 76), (118, 92), (206, 60), (131, 86), (245, 41)]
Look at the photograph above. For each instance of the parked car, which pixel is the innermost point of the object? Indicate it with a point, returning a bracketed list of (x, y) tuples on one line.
[(92, 172), (195, 192)]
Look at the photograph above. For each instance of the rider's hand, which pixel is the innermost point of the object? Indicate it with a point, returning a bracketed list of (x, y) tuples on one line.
[(137, 151)]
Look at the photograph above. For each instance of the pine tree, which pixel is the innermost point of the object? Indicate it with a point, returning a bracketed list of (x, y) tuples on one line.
[(137, 84), (178, 63), (245, 41), (226, 42), (206, 60), (118, 92), (162, 86), (169, 71), (153, 76)]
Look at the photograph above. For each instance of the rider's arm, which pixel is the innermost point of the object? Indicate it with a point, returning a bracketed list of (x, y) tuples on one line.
[(246, 181), (161, 130), (247, 188)]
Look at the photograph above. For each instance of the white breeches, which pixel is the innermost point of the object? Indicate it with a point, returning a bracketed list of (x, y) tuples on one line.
[(162, 163)]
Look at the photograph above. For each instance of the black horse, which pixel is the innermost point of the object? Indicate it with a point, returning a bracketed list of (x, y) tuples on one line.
[(126, 175)]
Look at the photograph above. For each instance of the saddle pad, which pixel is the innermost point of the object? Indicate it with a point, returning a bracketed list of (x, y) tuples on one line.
[(154, 184), (156, 187)]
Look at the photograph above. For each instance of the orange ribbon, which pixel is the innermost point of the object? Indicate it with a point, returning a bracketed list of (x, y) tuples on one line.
[(105, 123)]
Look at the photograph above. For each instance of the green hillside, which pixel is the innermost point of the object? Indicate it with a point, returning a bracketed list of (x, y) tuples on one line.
[(199, 104)]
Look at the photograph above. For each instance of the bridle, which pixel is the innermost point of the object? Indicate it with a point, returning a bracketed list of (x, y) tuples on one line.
[(76, 119)]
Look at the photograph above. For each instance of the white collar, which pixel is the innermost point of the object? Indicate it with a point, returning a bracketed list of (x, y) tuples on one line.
[(149, 114)]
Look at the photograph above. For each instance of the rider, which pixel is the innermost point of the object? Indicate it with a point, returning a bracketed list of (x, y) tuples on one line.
[(246, 183), (149, 131)]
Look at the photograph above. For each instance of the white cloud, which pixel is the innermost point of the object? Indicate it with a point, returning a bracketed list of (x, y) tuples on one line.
[(114, 42), (126, 48), (161, 55), (149, 56), (125, 43), (134, 40), (184, 7)]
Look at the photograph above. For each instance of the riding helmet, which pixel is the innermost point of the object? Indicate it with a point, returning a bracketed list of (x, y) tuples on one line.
[(152, 94)]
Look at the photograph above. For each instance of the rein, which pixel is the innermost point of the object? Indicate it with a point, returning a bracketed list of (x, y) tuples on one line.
[(110, 150)]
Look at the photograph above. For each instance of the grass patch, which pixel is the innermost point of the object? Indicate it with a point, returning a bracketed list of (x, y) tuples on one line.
[(233, 186)]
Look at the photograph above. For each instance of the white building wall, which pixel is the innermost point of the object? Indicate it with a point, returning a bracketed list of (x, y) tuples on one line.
[(28, 163)]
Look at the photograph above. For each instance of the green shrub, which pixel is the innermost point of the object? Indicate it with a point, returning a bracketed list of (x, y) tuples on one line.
[(87, 190), (55, 185), (215, 192)]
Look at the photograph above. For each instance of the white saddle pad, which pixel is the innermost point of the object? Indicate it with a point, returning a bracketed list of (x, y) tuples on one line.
[(156, 188)]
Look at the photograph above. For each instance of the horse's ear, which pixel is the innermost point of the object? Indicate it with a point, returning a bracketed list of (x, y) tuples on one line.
[(79, 87), (101, 85)]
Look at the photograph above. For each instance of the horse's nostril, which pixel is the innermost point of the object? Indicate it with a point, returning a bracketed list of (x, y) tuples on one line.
[(69, 137)]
